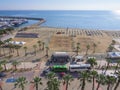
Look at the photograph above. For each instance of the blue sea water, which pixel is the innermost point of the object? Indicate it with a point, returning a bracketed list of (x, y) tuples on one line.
[(101, 20)]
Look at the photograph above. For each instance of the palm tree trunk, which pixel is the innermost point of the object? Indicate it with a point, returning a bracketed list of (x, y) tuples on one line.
[(15, 67), (98, 86), (3, 51), (47, 53), (86, 51), (94, 50), (17, 52), (25, 52), (116, 67), (108, 87), (83, 85), (0, 51), (22, 88), (35, 52), (67, 86), (5, 67), (106, 68), (1, 87), (36, 86), (93, 83), (117, 84)]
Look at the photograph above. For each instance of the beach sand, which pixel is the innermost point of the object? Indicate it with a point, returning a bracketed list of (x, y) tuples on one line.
[(61, 39)]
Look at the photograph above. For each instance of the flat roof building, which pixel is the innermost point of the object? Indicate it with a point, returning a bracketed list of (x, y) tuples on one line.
[(60, 57)]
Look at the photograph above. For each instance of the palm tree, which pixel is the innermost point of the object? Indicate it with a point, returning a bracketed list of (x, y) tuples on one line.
[(67, 79), (100, 80), (1, 43), (113, 42), (35, 46), (36, 82), (88, 47), (47, 48), (3, 62), (118, 81), (110, 80), (93, 76), (51, 75), (118, 63), (108, 64), (25, 48), (43, 43), (53, 84), (20, 82), (94, 46), (84, 76), (15, 63), (39, 44), (92, 62), (110, 48), (77, 48), (17, 47)]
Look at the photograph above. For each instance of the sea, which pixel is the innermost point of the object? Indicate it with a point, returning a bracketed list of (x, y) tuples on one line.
[(97, 20)]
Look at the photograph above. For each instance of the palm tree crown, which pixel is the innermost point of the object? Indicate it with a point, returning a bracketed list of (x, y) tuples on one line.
[(20, 82), (36, 82)]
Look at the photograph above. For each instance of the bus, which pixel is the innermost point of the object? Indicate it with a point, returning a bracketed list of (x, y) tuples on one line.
[(79, 67), (59, 68)]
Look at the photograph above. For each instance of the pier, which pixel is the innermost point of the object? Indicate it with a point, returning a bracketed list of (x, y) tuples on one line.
[(18, 17)]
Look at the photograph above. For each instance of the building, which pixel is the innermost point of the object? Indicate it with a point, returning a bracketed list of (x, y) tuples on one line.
[(113, 55), (60, 57)]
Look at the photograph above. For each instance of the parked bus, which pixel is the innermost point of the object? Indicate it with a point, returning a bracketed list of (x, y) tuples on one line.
[(79, 67), (59, 68)]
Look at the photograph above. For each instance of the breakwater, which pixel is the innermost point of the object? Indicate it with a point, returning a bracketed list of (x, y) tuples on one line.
[(19, 17)]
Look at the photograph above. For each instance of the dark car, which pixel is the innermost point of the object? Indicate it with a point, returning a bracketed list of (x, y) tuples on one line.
[(46, 71), (2, 74)]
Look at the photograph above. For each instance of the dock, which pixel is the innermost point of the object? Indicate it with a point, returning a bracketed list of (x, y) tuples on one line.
[(19, 17)]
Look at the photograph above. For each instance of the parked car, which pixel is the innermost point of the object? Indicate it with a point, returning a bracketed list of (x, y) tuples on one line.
[(2, 74), (46, 71)]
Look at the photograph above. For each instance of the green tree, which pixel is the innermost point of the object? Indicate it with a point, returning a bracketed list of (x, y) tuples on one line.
[(39, 44), (77, 48), (93, 74), (21, 82), (35, 47), (100, 80), (47, 49), (36, 82), (51, 75), (118, 81), (84, 76), (118, 63), (17, 47), (110, 48), (43, 45), (108, 64), (110, 80), (4, 62), (113, 42), (53, 83), (1, 43), (94, 46), (67, 79), (92, 62), (88, 47), (25, 48), (15, 63)]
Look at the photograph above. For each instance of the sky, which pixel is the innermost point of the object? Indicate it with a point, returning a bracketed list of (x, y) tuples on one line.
[(59, 4)]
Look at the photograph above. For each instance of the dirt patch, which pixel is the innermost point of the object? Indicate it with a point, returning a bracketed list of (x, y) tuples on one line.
[(61, 43)]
